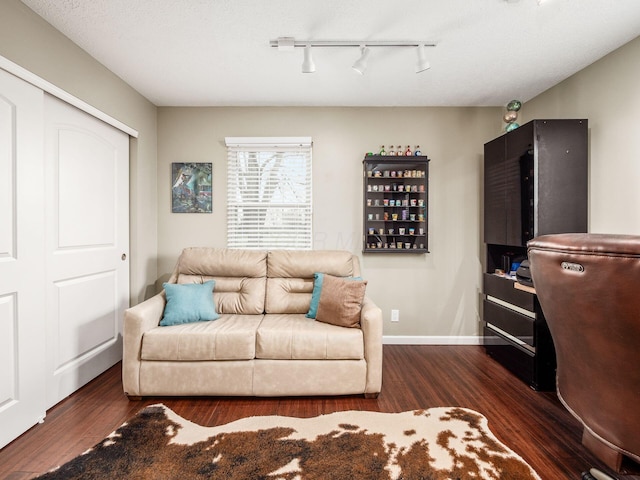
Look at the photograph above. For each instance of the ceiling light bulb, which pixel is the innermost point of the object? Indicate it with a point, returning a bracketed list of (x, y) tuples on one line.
[(307, 65), (361, 64), (422, 64)]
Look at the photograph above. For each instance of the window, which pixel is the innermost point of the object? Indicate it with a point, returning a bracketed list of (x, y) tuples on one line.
[(269, 193)]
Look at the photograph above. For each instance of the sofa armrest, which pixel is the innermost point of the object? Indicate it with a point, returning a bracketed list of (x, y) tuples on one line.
[(371, 325), (138, 320)]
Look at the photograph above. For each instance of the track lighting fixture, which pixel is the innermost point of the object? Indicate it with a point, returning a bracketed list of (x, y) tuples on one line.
[(308, 66), (361, 64)]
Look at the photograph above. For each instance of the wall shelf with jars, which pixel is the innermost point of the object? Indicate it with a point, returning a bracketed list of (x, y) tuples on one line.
[(396, 204)]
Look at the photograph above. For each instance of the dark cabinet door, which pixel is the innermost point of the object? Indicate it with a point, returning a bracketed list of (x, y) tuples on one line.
[(519, 185), (508, 188), (562, 174), (494, 192)]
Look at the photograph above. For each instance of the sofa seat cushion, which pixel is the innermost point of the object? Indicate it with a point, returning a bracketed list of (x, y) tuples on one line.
[(295, 337), (231, 337)]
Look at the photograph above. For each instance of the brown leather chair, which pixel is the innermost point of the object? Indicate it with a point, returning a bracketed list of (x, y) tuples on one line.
[(588, 286)]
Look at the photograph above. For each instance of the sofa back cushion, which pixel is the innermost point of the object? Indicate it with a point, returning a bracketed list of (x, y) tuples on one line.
[(290, 276), (240, 277)]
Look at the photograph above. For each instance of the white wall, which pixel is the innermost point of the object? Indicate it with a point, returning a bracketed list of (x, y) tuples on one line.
[(437, 293), (607, 93), (29, 41)]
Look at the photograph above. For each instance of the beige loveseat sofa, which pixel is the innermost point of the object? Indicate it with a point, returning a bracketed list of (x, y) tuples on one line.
[(262, 344)]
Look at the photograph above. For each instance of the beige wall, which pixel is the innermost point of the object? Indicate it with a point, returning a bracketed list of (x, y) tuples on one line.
[(30, 42), (606, 93), (437, 294)]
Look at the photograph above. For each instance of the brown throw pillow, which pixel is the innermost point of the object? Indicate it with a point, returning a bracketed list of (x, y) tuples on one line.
[(341, 301)]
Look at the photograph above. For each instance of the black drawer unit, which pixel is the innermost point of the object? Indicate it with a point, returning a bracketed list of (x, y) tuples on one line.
[(518, 360), (502, 288), (516, 324), (515, 332)]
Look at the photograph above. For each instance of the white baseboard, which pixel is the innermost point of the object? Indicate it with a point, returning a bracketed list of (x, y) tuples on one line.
[(431, 340)]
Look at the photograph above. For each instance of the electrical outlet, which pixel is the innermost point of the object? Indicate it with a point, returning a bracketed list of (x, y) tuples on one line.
[(395, 315)]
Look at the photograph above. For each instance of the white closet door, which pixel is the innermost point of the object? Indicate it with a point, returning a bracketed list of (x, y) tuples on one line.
[(22, 327), (87, 210)]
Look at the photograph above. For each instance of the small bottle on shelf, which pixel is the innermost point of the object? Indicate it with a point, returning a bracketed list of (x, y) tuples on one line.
[(391, 151), (400, 151), (408, 151), (417, 151), (382, 150)]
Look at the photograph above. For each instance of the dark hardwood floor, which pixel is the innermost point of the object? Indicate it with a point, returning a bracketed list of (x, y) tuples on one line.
[(534, 424)]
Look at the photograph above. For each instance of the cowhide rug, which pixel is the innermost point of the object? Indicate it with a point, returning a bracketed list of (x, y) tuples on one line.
[(438, 443)]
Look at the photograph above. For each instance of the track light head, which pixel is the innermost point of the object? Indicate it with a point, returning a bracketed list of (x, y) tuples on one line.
[(361, 64), (307, 65), (422, 64)]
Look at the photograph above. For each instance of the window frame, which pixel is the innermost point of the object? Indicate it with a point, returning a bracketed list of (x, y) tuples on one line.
[(259, 169)]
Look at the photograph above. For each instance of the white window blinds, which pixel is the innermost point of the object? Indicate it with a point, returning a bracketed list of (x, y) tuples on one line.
[(269, 193)]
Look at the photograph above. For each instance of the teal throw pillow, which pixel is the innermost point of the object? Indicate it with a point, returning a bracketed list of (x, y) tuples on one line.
[(318, 279), (186, 303)]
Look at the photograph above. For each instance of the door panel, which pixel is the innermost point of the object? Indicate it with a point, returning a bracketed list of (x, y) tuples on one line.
[(86, 185), (9, 384), (22, 327), (76, 303), (7, 177), (87, 252)]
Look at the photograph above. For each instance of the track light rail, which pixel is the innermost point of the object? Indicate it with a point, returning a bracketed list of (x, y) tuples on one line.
[(289, 42)]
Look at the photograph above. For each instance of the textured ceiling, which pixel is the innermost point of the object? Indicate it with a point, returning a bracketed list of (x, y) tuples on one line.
[(216, 52)]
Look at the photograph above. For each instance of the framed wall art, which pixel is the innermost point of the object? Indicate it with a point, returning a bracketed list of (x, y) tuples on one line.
[(191, 187)]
